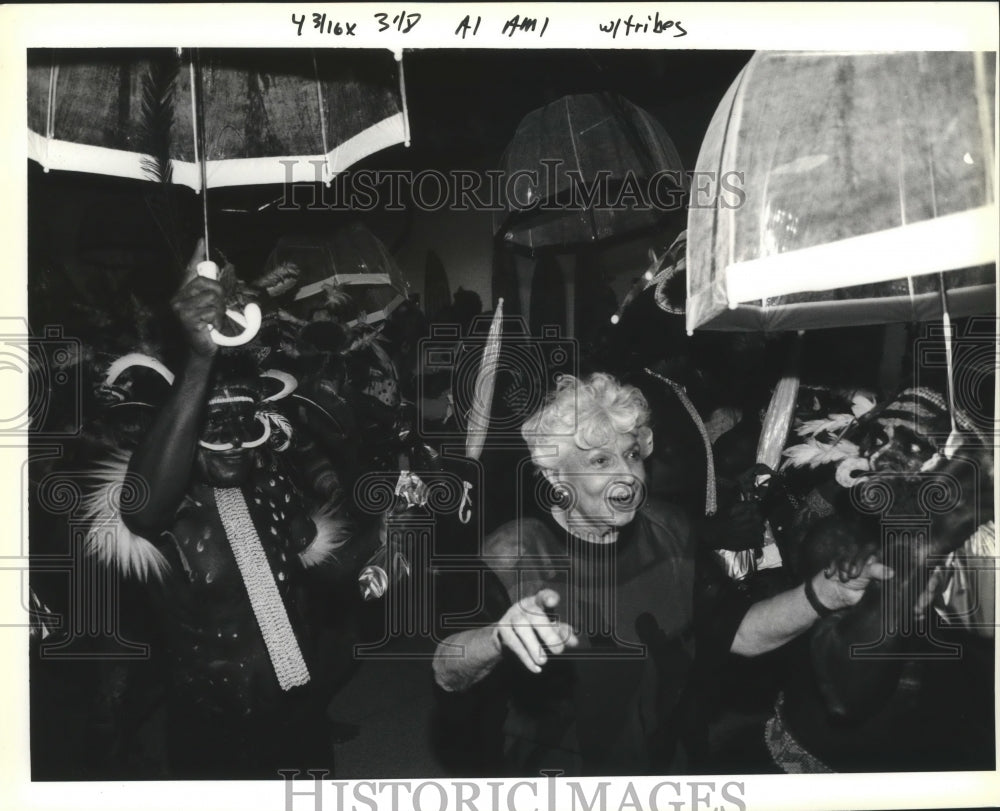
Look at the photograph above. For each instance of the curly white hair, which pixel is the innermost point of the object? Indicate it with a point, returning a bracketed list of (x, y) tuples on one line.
[(586, 414)]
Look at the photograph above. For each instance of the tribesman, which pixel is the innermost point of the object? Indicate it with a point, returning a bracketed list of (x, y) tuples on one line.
[(229, 548)]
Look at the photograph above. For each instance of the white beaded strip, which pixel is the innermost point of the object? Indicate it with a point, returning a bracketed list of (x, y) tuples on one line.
[(282, 647)]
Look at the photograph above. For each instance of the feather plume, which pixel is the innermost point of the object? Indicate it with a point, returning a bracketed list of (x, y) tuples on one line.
[(331, 534), (339, 302), (108, 539), (156, 121), (834, 424), (283, 425), (814, 453), (362, 337), (862, 403)]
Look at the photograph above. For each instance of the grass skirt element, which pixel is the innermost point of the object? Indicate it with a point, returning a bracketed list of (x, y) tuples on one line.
[(786, 751)]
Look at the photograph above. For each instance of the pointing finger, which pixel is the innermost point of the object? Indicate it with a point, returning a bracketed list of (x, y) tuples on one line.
[(513, 642), (546, 598), (879, 571)]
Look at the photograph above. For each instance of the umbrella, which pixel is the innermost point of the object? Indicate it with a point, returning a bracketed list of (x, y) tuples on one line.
[(351, 259), (863, 178), (574, 170), (848, 183), (212, 118), (848, 186), (269, 116)]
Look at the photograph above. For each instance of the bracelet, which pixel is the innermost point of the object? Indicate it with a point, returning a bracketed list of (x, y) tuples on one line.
[(814, 601)]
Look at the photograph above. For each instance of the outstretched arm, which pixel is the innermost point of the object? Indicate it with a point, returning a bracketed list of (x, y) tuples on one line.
[(164, 459), (771, 623), (526, 630)]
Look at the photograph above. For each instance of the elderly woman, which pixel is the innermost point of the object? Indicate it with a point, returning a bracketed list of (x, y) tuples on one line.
[(596, 609)]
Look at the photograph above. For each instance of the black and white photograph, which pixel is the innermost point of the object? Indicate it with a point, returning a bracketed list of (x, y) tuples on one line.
[(544, 406)]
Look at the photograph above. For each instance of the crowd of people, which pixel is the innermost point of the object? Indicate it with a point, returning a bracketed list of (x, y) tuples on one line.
[(645, 584)]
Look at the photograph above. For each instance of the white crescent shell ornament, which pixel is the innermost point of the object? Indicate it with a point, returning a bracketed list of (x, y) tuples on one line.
[(126, 362), (288, 384), (255, 443), (249, 319)]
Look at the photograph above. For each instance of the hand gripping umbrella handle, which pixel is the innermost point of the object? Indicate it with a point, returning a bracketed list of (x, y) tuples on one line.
[(249, 319)]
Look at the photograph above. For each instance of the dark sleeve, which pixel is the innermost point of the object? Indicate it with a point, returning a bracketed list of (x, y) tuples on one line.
[(467, 725), (855, 686), (883, 625), (719, 607)]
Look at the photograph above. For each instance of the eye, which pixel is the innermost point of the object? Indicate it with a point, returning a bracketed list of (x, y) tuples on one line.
[(599, 461), (633, 455)]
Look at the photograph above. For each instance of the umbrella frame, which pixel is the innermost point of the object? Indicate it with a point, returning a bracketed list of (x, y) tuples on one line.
[(52, 153)]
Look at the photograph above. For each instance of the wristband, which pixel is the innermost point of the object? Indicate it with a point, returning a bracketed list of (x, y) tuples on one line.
[(814, 601)]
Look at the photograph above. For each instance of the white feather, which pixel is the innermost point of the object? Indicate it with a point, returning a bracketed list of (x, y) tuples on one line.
[(108, 539), (861, 404), (835, 422), (282, 424), (331, 534), (814, 453)]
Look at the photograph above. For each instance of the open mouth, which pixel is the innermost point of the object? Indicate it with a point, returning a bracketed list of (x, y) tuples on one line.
[(623, 497)]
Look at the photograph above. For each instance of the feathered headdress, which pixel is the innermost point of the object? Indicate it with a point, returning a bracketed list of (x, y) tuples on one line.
[(159, 90), (861, 440)]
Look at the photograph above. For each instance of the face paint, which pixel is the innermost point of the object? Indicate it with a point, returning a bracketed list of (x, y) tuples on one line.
[(231, 431), (235, 437)]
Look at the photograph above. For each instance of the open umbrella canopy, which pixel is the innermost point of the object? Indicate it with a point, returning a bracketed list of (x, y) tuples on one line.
[(854, 180), (585, 168), (351, 260), (269, 116)]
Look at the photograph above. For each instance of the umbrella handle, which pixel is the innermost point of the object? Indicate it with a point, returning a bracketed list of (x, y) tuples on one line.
[(249, 319)]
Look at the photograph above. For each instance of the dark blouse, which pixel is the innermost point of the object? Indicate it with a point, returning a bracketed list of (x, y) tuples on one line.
[(654, 617)]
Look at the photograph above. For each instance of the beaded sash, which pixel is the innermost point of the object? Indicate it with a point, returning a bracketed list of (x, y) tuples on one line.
[(268, 607)]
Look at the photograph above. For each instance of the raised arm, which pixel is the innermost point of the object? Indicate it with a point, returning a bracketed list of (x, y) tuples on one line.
[(165, 458)]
